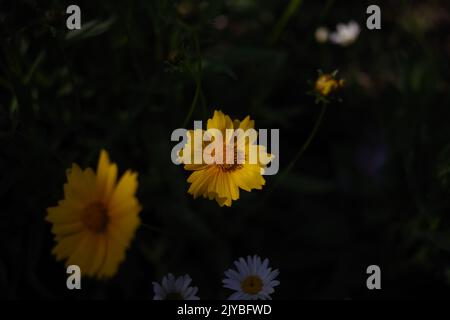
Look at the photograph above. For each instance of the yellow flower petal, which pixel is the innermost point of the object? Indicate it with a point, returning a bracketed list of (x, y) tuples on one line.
[(220, 121)]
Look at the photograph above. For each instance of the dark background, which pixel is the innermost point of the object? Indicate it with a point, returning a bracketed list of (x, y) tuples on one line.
[(371, 189)]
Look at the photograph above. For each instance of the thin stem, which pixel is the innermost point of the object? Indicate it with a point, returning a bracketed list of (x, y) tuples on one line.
[(198, 90), (304, 146), (204, 106), (281, 24), (326, 9), (198, 82)]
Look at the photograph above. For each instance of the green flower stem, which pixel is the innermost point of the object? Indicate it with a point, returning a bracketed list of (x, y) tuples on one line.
[(198, 82), (304, 146), (204, 106), (281, 24), (327, 9), (197, 95)]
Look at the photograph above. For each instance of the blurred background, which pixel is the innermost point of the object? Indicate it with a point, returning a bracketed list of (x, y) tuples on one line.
[(373, 187)]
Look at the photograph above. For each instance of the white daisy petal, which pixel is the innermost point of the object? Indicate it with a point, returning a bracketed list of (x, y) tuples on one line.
[(250, 264), (229, 274), (235, 275), (189, 291), (268, 290), (165, 284), (267, 297), (159, 291), (193, 297), (264, 265), (245, 267), (242, 267), (171, 280), (187, 279), (274, 274), (233, 285), (258, 261), (345, 34), (184, 285), (236, 296), (194, 291), (255, 265), (274, 283), (238, 267), (178, 284)]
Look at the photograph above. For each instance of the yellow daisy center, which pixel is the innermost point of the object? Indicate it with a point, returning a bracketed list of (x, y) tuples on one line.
[(95, 217), (229, 167), (252, 285), (174, 296)]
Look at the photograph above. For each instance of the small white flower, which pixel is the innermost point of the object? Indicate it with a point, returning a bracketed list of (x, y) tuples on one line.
[(253, 279), (345, 34), (175, 289), (321, 34), (220, 22)]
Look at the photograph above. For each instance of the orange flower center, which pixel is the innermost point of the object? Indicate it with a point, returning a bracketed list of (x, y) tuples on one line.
[(228, 167), (252, 285), (95, 217)]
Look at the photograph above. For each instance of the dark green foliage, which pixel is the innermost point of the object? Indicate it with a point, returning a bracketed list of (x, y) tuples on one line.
[(372, 188)]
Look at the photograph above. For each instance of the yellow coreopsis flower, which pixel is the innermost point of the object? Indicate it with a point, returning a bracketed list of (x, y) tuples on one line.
[(221, 181), (96, 221), (327, 84)]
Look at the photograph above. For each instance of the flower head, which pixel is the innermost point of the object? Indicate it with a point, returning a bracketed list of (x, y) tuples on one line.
[(345, 34), (172, 288), (321, 34), (220, 22), (96, 221), (235, 160), (253, 280), (327, 84)]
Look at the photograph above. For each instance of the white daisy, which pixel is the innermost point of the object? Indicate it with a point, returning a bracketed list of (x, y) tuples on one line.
[(253, 279), (175, 288), (220, 22), (345, 34), (321, 34)]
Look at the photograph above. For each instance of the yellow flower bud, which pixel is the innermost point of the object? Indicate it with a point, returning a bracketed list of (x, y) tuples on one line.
[(327, 84)]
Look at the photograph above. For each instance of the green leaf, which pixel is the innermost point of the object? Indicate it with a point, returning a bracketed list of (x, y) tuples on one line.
[(90, 29)]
